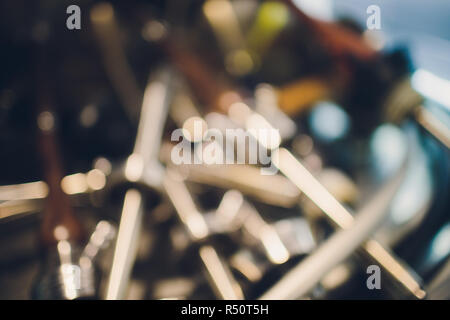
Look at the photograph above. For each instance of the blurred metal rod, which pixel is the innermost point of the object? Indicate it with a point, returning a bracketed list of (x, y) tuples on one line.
[(274, 190), (218, 274), (24, 191), (337, 213), (184, 205), (307, 274), (75, 183), (126, 245), (311, 187), (104, 233), (11, 208), (141, 164)]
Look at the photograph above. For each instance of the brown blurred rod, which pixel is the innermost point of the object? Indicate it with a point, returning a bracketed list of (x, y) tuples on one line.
[(61, 231), (58, 214), (222, 97)]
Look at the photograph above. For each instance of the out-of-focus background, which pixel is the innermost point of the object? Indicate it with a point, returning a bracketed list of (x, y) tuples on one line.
[(88, 188)]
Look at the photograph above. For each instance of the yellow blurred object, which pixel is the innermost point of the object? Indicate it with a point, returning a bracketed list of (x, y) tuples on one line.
[(239, 62), (298, 96), (271, 18)]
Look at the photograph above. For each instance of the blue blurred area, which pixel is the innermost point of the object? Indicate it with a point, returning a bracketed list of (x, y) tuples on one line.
[(422, 26)]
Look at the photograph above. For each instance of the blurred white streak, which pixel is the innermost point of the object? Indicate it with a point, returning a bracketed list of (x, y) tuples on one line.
[(432, 86), (319, 9)]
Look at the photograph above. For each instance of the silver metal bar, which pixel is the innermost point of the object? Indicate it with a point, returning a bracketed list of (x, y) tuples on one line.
[(307, 274), (142, 165), (266, 234), (337, 213), (218, 273), (12, 208)]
